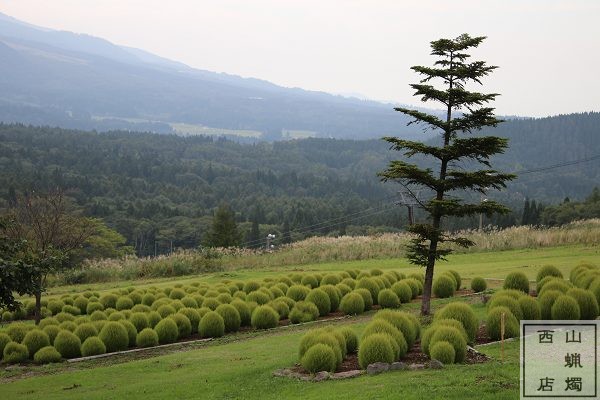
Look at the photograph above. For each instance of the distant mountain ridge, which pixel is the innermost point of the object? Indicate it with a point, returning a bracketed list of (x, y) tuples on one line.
[(59, 78)]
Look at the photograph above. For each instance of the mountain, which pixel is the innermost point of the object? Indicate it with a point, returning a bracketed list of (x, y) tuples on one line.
[(165, 187), (58, 78)]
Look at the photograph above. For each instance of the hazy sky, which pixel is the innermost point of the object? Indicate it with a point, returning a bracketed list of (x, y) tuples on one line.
[(548, 50)]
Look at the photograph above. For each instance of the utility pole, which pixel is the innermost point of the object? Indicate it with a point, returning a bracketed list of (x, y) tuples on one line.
[(270, 237), (410, 200)]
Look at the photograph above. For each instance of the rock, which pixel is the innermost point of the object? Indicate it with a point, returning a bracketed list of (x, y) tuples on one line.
[(397, 366), (321, 376), (416, 366), (347, 374), (435, 364), (377, 368), (282, 372)]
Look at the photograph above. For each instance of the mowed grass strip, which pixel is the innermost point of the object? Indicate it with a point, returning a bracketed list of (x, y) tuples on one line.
[(242, 370)]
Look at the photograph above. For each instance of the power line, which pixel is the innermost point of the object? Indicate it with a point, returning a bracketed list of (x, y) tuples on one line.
[(563, 164)]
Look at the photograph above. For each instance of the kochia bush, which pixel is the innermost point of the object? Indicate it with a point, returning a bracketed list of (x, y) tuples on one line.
[(517, 280), (114, 336), (264, 317), (375, 348), (211, 325), (93, 346), (319, 357)]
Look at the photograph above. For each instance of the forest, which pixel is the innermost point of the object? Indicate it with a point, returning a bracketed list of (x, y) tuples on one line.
[(160, 191)]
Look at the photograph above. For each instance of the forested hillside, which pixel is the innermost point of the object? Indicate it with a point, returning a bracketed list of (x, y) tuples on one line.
[(153, 187)]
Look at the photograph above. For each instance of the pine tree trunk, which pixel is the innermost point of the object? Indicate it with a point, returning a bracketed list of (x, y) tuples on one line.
[(38, 306)]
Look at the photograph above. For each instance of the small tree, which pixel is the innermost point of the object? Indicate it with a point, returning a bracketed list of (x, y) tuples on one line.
[(15, 274), (465, 112), (48, 233), (224, 232)]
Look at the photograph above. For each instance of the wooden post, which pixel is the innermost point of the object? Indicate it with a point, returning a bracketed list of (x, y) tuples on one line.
[(502, 336)]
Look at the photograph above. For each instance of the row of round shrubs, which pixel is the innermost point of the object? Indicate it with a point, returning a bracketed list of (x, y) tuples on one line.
[(324, 349), (557, 299), (453, 327), (201, 294)]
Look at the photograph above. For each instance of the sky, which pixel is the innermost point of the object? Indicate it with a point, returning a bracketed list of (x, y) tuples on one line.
[(547, 50)]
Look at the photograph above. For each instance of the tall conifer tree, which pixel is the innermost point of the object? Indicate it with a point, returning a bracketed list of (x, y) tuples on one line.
[(465, 112)]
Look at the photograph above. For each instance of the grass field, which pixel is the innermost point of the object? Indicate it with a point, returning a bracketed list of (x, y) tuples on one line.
[(240, 366)]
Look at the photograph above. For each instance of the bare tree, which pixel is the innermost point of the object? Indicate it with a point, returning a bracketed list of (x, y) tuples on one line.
[(50, 231)]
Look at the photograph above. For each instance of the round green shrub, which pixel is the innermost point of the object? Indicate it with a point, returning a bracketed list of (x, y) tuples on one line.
[(153, 318), (307, 340), (350, 282), (7, 316), (452, 336), (443, 352), (71, 310), (211, 325), (330, 279), (478, 284), (548, 270), (224, 298), (400, 321), (320, 299), (530, 308), (167, 331), (444, 286), (193, 315), (48, 321), (47, 355), (297, 292), (116, 316), (68, 325), (85, 330), (64, 316), (403, 291), (165, 310), (52, 331), (124, 303), (508, 302), (493, 323), (243, 310), (310, 281), (517, 280), (329, 338), (588, 305), (370, 285), (352, 304), (17, 331), (303, 311), (148, 299), (546, 301), (93, 306), (375, 348), (35, 339), (67, 344), (184, 326), (555, 284), (177, 294), (131, 331), (259, 297), (343, 289), (382, 326), (55, 306), (115, 336), (98, 315), (147, 338), (109, 300), (319, 357), (565, 307), (251, 286), (15, 353), (93, 346), (231, 317), (334, 296), (386, 298), (351, 339), (4, 340), (367, 298), (281, 307), (264, 317), (456, 276), (139, 320), (414, 286)]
